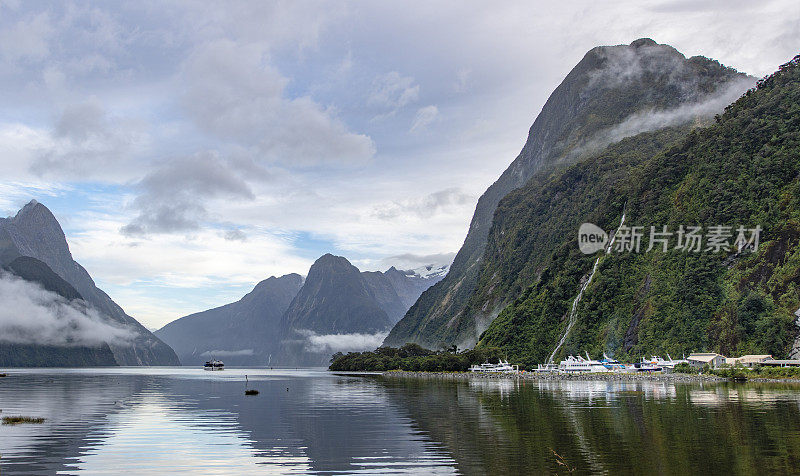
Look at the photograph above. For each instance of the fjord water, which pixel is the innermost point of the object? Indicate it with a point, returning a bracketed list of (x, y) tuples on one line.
[(180, 420)]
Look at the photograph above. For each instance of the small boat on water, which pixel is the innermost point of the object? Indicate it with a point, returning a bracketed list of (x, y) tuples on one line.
[(498, 367), (214, 365)]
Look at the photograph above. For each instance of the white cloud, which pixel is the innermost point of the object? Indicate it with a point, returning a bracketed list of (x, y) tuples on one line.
[(425, 117), (393, 91), (233, 92), (227, 353), (327, 343), (27, 39), (33, 315)]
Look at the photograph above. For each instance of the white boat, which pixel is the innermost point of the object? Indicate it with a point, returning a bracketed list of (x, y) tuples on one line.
[(649, 365), (613, 365), (214, 365), (546, 368), (579, 365), (498, 367)]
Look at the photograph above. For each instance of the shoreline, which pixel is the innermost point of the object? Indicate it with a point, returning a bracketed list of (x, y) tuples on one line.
[(585, 377)]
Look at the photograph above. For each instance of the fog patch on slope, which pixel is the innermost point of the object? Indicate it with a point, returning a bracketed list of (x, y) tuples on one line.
[(227, 353), (654, 119), (32, 315), (321, 343)]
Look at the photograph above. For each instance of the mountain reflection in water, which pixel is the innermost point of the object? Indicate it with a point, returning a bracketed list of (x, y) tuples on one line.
[(180, 420)]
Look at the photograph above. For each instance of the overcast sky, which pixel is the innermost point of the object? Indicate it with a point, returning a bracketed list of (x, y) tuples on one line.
[(190, 150)]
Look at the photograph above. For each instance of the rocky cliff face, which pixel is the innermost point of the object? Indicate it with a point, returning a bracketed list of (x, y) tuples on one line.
[(34, 232), (613, 92)]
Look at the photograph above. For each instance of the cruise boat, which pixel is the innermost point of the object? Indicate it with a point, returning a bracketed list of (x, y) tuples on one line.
[(214, 365), (498, 367), (578, 365), (646, 365)]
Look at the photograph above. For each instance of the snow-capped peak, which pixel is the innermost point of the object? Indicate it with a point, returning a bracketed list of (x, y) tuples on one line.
[(430, 271)]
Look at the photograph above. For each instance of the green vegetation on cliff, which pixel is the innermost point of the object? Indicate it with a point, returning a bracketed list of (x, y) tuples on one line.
[(742, 170)]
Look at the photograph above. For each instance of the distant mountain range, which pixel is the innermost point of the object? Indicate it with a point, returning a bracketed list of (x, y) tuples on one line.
[(290, 322), (62, 318)]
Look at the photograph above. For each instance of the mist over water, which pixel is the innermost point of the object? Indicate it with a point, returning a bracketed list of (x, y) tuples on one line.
[(180, 420)]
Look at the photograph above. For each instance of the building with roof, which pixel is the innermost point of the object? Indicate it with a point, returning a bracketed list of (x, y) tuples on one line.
[(711, 359), (748, 360)]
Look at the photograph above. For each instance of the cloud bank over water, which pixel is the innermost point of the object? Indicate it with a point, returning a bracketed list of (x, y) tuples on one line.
[(341, 342), (33, 315)]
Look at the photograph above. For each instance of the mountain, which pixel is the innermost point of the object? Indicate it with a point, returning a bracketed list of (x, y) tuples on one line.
[(16, 354), (246, 332), (34, 232), (395, 290), (741, 170), (612, 93), (288, 321)]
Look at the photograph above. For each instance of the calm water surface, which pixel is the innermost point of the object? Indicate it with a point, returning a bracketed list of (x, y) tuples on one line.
[(180, 420)]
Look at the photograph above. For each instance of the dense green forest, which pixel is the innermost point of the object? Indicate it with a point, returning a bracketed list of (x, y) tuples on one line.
[(413, 357), (744, 169)]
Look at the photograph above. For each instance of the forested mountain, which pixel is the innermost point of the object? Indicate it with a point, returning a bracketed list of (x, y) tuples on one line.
[(35, 233), (742, 170), (612, 93)]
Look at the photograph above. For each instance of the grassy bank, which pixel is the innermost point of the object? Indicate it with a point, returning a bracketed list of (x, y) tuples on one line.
[(16, 420)]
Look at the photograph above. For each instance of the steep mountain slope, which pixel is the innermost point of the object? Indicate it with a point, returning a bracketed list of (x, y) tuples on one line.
[(336, 302), (336, 298), (35, 232), (613, 92), (246, 332), (742, 170), (16, 354)]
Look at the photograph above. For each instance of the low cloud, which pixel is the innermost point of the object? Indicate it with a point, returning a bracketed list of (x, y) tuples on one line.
[(654, 119), (424, 207), (328, 343), (33, 315), (227, 353), (657, 119), (411, 260)]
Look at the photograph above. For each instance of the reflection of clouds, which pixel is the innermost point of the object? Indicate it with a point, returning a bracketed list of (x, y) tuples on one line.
[(71, 408), (183, 440)]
